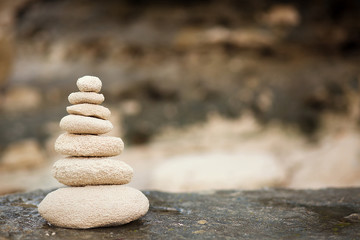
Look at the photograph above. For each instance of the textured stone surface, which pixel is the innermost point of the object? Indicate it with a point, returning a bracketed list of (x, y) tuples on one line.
[(89, 84), (85, 125), (93, 206), (86, 97), (263, 214), (88, 145), (91, 171), (90, 110)]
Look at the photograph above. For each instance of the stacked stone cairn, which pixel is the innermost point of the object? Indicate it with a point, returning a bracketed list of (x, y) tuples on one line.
[(96, 195)]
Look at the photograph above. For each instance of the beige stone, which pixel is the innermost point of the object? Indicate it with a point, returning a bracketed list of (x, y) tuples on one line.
[(23, 154), (86, 97), (93, 206), (90, 110), (85, 125), (88, 145), (89, 84), (92, 171)]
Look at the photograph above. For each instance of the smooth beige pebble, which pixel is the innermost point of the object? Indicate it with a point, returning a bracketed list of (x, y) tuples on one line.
[(85, 125), (88, 145), (92, 171), (89, 84), (90, 110), (86, 97), (93, 206)]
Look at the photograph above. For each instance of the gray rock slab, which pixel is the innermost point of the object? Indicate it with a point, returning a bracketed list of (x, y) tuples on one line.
[(262, 214)]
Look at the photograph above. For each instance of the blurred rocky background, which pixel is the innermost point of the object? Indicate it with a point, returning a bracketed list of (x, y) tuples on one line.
[(205, 94)]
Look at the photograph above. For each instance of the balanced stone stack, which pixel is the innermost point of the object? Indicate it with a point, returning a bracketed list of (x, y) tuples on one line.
[(96, 195)]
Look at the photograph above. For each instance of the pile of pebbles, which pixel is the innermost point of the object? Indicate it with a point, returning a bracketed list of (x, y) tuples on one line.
[(96, 195)]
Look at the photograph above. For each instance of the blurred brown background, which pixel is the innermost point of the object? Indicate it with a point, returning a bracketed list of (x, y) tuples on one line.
[(205, 94)]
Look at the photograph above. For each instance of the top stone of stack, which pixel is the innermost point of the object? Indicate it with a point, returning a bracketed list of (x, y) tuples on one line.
[(89, 84)]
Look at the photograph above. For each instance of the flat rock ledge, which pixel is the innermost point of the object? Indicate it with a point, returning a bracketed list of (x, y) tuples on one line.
[(262, 214)]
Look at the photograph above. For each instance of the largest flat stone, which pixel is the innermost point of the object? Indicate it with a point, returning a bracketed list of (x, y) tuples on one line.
[(93, 206), (88, 145)]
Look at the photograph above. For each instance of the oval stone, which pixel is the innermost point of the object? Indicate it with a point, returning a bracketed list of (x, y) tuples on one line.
[(93, 206), (86, 97), (91, 171), (85, 125), (88, 145), (90, 110), (89, 84)]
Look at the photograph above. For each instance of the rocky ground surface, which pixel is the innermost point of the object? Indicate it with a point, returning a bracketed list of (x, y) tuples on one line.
[(262, 214)]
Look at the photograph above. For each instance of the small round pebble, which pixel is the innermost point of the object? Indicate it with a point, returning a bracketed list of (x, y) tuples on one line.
[(90, 110), (85, 125), (86, 97), (88, 145), (89, 84), (91, 171), (93, 206)]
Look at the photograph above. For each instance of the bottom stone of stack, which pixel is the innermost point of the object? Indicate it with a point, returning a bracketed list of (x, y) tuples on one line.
[(91, 171), (93, 206)]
